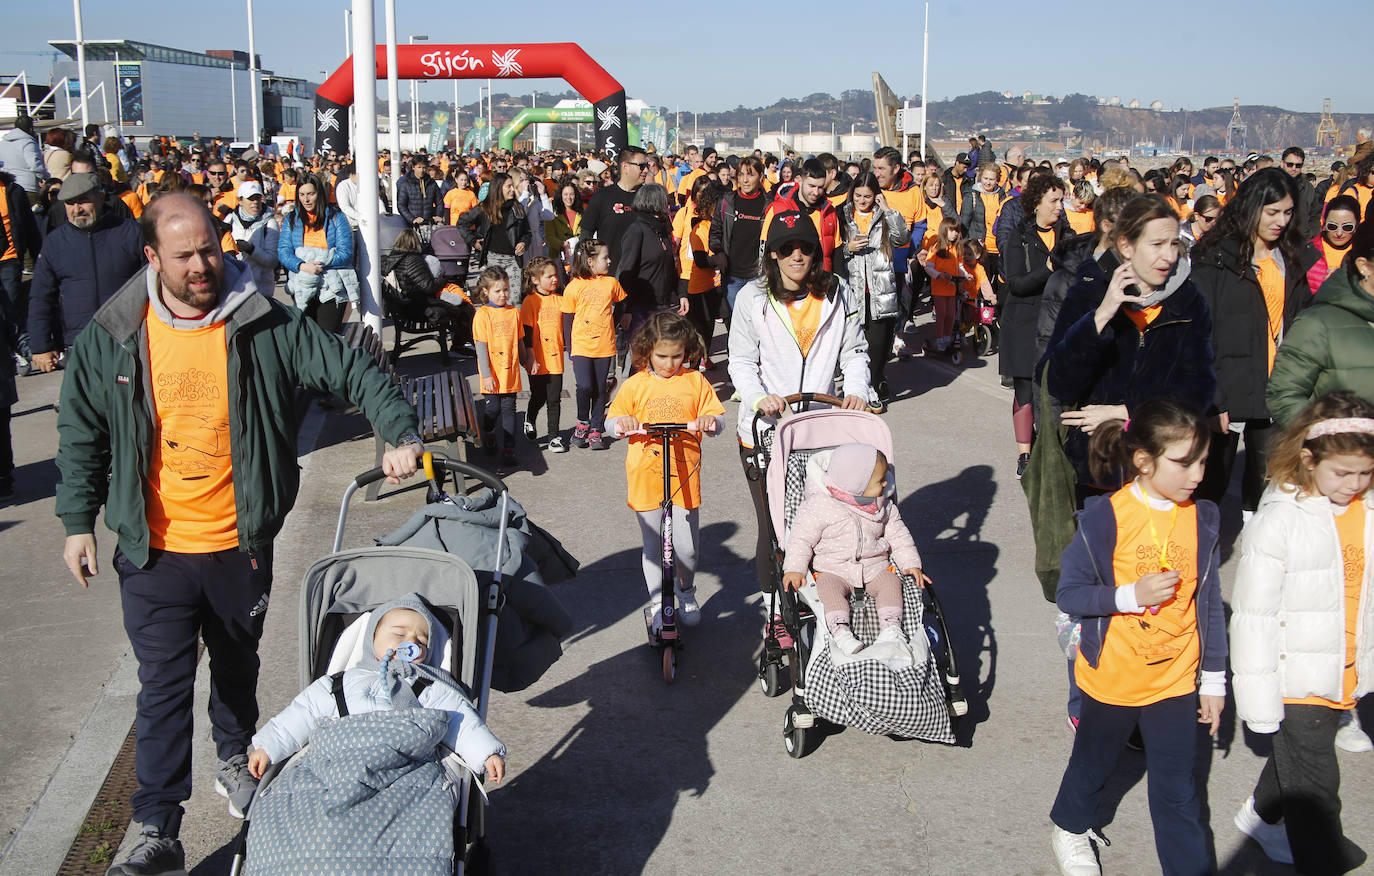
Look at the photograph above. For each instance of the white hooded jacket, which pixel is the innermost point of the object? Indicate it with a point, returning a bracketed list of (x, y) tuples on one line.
[(1288, 618)]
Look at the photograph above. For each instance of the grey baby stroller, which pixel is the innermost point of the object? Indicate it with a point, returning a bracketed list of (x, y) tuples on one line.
[(406, 832)]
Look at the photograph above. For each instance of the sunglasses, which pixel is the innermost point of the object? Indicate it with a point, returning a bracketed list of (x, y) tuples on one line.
[(1297, 166), (1205, 218), (807, 248), (639, 164), (1347, 227)]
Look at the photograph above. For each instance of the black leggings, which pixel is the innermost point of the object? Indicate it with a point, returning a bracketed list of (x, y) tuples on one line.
[(879, 333), (546, 389), (590, 375), (500, 418), (328, 315), (763, 551), (1260, 436)]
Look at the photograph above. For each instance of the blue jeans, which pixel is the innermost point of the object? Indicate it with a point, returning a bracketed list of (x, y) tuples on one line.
[(732, 287), (1170, 730)]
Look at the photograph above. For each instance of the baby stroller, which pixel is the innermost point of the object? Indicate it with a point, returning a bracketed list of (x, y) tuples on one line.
[(918, 701), (974, 314), (337, 595)]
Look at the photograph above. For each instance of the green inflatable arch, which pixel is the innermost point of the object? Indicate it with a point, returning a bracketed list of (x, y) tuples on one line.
[(560, 115)]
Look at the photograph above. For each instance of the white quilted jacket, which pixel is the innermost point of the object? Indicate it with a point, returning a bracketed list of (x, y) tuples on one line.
[(1288, 609)]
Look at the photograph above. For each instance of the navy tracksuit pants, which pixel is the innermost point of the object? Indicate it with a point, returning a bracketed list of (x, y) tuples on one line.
[(177, 600)]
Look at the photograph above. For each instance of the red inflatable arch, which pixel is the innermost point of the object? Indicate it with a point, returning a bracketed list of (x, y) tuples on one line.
[(565, 61)]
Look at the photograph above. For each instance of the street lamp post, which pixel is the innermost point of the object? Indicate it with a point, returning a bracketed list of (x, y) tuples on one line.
[(414, 98), (80, 66), (393, 98), (253, 92)]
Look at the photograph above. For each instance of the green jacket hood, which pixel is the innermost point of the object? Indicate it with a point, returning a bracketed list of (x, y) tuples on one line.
[(1340, 291), (122, 316)]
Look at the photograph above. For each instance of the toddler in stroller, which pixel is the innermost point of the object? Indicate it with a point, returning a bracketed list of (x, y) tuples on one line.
[(397, 676), (852, 533)]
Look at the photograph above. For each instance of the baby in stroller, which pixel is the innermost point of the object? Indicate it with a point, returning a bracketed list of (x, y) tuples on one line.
[(852, 534), (397, 675)]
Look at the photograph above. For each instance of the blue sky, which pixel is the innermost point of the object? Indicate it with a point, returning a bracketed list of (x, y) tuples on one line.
[(1187, 54)]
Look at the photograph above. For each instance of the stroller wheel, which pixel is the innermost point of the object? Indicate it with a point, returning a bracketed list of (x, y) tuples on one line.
[(771, 680), (796, 740), (982, 339), (669, 664)]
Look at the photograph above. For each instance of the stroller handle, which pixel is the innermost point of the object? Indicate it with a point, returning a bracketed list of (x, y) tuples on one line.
[(796, 398), (431, 462)]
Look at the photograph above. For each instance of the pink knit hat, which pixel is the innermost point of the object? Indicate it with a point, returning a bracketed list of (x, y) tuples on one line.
[(851, 467)]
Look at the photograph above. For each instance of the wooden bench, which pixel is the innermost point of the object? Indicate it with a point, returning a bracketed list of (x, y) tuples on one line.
[(442, 400)]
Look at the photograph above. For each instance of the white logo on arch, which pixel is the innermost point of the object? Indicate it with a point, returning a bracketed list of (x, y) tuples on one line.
[(506, 63)]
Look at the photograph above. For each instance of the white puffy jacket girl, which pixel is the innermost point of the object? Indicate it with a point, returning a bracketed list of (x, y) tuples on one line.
[(1290, 592)]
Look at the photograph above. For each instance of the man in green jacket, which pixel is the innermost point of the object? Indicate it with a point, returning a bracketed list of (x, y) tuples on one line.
[(178, 416)]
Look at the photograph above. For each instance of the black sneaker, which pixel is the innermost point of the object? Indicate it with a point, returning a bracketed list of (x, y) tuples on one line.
[(152, 855), (1022, 462), (236, 784)]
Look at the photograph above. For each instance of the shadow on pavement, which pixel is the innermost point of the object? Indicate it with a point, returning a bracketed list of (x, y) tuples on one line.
[(946, 519), (35, 480), (642, 744)]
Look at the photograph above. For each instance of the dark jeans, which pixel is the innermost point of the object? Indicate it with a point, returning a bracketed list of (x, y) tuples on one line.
[(499, 418), (590, 375), (220, 598), (1301, 783), (1169, 728), (1260, 436), (14, 302), (732, 287), (328, 315), (6, 442), (880, 333), (763, 550), (546, 389)]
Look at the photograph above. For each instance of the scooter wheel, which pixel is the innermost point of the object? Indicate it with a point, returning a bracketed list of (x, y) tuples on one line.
[(956, 356), (982, 340), (669, 664), (771, 680)]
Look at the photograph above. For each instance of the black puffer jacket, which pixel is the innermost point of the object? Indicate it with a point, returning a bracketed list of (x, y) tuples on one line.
[(647, 269), (414, 280), (1068, 256), (418, 198), (1172, 358), (476, 227), (1240, 328)]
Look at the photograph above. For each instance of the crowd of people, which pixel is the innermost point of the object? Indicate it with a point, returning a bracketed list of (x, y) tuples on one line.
[(1150, 324)]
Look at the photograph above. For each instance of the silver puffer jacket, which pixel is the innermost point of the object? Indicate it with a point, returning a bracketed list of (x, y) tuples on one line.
[(868, 269)]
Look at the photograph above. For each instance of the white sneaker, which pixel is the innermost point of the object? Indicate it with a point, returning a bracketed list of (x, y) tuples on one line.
[(1272, 838), (1074, 852), (899, 348), (1351, 736), (688, 608), (845, 641)]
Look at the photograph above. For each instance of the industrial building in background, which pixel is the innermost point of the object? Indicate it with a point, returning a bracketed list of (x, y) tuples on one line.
[(152, 90)]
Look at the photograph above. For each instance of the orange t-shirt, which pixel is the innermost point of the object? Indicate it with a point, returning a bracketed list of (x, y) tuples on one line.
[(1334, 257), (1143, 318), (992, 208), (1046, 237), (1148, 657), (190, 491), (649, 398), (1081, 221), (699, 279), (911, 204), (806, 321), (1350, 528), (1271, 283), (543, 314), (945, 264), (499, 329), (459, 201), (10, 251), (316, 237), (287, 193), (592, 302)]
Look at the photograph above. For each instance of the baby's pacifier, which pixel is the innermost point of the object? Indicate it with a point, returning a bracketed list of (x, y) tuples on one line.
[(407, 652)]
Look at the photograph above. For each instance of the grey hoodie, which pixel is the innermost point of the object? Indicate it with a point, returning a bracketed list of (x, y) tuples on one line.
[(22, 159)]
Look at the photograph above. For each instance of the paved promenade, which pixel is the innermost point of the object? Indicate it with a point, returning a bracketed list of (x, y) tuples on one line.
[(611, 771)]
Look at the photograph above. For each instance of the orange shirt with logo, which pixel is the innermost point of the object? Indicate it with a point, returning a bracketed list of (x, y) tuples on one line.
[(543, 315), (806, 321), (699, 279), (190, 490), (682, 398), (592, 303), (1147, 657), (499, 329), (1350, 528)]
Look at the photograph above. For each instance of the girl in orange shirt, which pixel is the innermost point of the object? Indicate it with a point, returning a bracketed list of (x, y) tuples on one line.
[(944, 263), (592, 305), (460, 198), (496, 335), (1143, 575), (541, 322), (667, 388)]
